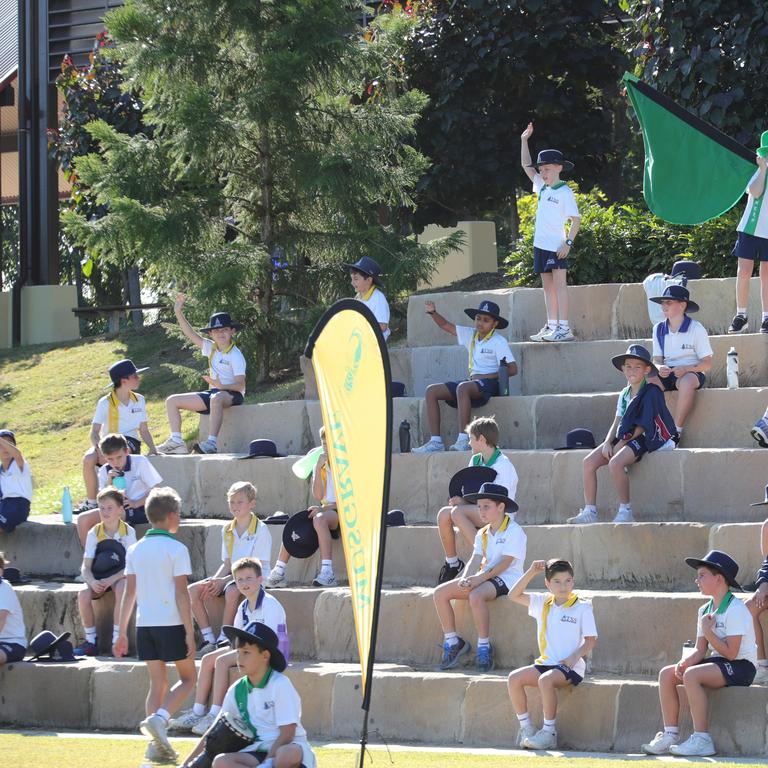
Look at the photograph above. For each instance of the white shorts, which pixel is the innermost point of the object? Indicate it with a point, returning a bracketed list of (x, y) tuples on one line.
[(308, 756)]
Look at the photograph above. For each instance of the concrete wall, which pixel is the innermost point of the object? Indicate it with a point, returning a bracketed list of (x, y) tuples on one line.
[(46, 314)]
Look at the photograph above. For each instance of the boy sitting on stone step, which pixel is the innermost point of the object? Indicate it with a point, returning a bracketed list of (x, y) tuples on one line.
[(759, 601), (484, 441), (103, 567), (487, 349), (496, 564), (15, 483), (243, 536), (642, 424), (567, 634), (13, 633), (364, 274)]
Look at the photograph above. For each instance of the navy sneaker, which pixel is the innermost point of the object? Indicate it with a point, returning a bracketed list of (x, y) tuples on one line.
[(760, 432), (450, 572), (452, 654), (738, 324), (85, 649), (764, 326), (484, 658)]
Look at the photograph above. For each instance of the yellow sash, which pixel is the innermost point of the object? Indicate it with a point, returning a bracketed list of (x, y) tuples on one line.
[(367, 295), (113, 419), (210, 357), (229, 533), (324, 478), (484, 533), (472, 348), (548, 603), (101, 534)]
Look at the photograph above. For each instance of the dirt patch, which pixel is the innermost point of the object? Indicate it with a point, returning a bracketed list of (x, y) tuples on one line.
[(482, 281)]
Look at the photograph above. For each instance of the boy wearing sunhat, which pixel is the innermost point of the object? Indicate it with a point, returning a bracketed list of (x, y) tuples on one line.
[(724, 629), (551, 246), (496, 564), (752, 244), (365, 274), (225, 378), (681, 351), (642, 424), (15, 483), (486, 348), (122, 411), (13, 633), (759, 601), (266, 703)]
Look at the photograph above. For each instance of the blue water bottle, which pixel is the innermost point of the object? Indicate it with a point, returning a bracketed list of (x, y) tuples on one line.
[(66, 506), (283, 642)]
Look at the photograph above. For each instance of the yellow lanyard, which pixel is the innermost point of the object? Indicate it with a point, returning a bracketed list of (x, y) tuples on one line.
[(548, 603), (101, 534), (215, 348), (472, 348), (324, 478), (229, 533), (368, 294), (484, 532), (113, 419)]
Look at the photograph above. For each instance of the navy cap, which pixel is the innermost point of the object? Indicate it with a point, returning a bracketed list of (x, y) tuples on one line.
[(494, 492), (367, 266), (220, 320), (300, 536), (578, 438)]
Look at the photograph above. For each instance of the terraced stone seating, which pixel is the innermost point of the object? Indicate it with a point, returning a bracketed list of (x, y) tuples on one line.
[(687, 501)]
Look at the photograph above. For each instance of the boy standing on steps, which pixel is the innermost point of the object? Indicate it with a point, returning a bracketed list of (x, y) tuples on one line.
[(157, 568), (487, 349), (226, 380), (551, 246)]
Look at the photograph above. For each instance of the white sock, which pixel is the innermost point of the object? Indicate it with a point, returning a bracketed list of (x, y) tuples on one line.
[(90, 634), (214, 710), (212, 439), (115, 632), (222, 638), (679, 430), (452, 561), (625, 508), (590, 508), (551, 322), (208, 635), (741, 311), (762, 663), (524, 719), (483, 641), (436, 439), (462, 438), (702, 733), (164, 713), (91, 501), (565, 325), (451, 638), (326, 565), (176, 436), (672, 730), (198, 709), (279, 567), (549, 726)]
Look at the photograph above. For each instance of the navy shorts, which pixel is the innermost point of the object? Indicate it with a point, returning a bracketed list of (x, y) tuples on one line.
[(738, 672), (546, 261), (750, 247), (570, 675), (501, 587), (161, 643), (638, 447), (14, 510), (237, 398), (135, 516), (12, 651), (230, 583), (488, 388), (670, 383)]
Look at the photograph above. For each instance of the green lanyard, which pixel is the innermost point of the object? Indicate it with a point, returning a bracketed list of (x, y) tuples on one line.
[(242, 688), (477, 459), (723, 605), (159, 532)]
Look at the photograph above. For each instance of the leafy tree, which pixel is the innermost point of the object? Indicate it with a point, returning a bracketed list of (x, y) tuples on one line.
[(276, 154)]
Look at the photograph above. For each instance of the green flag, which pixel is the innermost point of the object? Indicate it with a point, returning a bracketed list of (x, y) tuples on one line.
[(693, 172)]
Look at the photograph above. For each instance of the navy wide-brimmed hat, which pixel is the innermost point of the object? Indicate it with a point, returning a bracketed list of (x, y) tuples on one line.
[(277, 518), (367, 266), (469, 480), (488, 308), (261, 449), (677, 293), (220, 320), (763, 503), (45, 643), (261, 635), (395, 518), (300, 536), (578, 438), (109, 559), (122, 369), (494, 492), (634, 352), (7, 434), (721, 562), (552, 157), (690, 269), (13, 576)]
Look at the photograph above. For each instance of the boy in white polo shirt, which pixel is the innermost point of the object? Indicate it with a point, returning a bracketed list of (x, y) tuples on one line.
[(13, 633), (243, 536), (487, 348), (484, 441), (226, 380), (681, 351), (496, 564), (567, 634), (364, 274), (556, 207), (157, 569), (15, 483)]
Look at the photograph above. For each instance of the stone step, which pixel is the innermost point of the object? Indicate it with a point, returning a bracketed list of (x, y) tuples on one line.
[(603, 311), (407, 706)]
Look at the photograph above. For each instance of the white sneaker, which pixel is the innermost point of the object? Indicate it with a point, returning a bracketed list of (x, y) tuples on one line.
[(525, 732), (584, 517), (461, 445), (624, 516), (275, 579), (660, 743), (559, 334), (431, 447), (541, 740), (324, 579), (183, 721), (154, 727), (172, 446), (761, 678), (546, 330), (206, 647), (696, 745), (155, 754), (203, 724), (206, 446)]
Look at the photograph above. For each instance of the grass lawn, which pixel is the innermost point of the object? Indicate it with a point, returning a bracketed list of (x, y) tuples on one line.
[(32, 751), (48, 396)]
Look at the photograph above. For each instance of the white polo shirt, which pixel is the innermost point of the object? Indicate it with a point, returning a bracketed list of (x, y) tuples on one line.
[(509, 540), (754, 220), (13, 630), (156, 561), (224, 365), (683, 347), (567, 626), (378, 304), (735, 620), (486, 353), (257, 544), (128, 540), (140, 477), (556, 205), (267, 611), (15, 482), (506, 474), (129, 417)]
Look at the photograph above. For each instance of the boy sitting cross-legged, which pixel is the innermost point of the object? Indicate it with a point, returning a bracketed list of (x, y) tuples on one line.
[(484, 441), (103, 567), (567, 633), (496, 564), (243, 536)]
